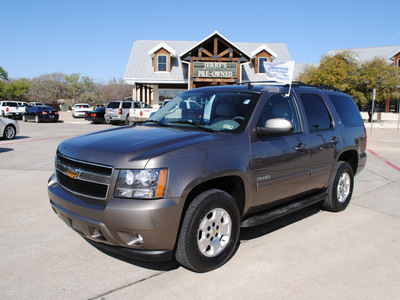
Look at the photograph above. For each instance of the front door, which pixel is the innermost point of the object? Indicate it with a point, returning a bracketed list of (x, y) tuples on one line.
[(280, 165)]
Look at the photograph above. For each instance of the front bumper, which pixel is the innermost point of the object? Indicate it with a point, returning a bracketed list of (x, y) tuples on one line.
[(142, 229)]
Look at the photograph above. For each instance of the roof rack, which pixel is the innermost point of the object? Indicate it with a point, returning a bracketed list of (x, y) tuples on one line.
[(294, 84)]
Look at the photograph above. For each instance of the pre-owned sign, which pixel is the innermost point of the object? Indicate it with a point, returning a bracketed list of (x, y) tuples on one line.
[(215, 69)]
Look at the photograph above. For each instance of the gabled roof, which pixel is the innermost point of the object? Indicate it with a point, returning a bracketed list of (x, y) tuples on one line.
[(261, 48), (365, 54), (162, 45), (215, 33)]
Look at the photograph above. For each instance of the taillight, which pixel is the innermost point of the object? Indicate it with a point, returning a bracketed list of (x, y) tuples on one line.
[(7, 109), (141, 113), (120, 111), (44, 112), (56, 113), (94, 115)]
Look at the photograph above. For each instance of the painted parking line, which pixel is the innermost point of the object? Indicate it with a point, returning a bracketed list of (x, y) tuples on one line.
[(384, 160), (37, 140)]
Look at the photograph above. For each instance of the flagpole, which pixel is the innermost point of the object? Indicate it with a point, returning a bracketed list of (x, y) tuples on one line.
[(290, 87)]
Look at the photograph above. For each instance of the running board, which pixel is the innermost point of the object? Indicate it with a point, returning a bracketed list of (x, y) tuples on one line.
[(281, 210)]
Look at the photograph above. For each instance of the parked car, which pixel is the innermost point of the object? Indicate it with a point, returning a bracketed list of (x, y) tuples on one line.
[(140, 112), (11, 109), (96, 106), (96, 116), (184, 183), (36, 103), (79, 110), (8, 128), (40, 114), (118, 111)]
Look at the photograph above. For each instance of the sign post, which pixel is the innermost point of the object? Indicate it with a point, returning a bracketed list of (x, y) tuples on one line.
[(372, 108)]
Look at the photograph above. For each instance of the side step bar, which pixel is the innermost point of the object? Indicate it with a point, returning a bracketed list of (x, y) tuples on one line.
[(281, 210)]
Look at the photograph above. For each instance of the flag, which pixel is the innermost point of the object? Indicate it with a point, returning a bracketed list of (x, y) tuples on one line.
[(279, 71)]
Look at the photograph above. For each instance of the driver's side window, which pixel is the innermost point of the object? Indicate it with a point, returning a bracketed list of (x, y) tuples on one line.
[(281, 106)]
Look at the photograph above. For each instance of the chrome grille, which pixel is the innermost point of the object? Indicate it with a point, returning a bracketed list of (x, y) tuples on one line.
[(83, 178)]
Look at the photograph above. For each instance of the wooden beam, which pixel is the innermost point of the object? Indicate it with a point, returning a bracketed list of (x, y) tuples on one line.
[(215, 46)]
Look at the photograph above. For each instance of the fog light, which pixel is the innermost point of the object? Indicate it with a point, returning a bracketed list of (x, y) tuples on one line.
[(131, 239)]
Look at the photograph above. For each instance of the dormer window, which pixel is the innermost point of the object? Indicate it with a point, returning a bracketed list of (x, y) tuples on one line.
[(162, 63), (261, 61)]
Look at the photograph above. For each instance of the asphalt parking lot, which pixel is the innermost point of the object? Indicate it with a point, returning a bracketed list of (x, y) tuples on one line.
[(312, 254)]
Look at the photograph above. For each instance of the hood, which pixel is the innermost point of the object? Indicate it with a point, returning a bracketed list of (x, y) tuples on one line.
[(131, 147)]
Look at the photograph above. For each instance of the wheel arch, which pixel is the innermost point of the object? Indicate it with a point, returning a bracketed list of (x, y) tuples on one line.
[(350, 156)]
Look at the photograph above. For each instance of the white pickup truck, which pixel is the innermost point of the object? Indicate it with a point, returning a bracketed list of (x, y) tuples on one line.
[(11, 109), (140, 112)]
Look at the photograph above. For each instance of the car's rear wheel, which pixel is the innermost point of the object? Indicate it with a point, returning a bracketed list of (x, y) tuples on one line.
[(23, 118), (9, 132), (209, 232), (37, 120), (340, 189)]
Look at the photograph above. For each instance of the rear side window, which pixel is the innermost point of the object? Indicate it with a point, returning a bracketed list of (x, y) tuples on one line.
[(318, 116), (347, 110), (126, 104), (113, 105)]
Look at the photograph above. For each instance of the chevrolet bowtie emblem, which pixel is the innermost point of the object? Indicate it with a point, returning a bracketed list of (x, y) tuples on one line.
[(73, 174)]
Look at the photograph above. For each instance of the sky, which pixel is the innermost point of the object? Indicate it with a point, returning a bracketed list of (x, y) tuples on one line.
[(95, 37)]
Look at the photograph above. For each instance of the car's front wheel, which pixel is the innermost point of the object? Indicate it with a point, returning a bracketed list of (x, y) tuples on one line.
[(37, 120), (340, 189), (9, 132), (209, 232)]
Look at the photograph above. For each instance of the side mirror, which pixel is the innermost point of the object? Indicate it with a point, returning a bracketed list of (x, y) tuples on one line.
[(274, 127)]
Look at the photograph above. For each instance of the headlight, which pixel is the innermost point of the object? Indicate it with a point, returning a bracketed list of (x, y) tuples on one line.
[(149, 183)]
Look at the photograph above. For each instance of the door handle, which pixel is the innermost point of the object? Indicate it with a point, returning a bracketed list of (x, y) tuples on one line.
[(335, 140), (301, 147)]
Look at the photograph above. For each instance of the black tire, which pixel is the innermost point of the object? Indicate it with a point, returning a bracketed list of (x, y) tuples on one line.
[(340, 189), (24, 118), (9, 132), (37, 120), (213, 217)]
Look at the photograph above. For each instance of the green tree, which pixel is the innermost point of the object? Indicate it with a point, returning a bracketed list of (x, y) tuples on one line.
[(77, 85), (378, 74), (3, 74), (345, 73), (339, 71), (17, 90)]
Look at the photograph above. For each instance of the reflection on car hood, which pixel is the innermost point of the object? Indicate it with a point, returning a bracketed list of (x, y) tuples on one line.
[(131, 147)]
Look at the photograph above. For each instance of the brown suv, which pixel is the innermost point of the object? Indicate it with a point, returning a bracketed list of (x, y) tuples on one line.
[(209, 162)]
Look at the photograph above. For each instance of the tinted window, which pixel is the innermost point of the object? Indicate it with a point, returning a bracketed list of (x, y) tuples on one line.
[(318, 117), (113, 105), (347, 110), (280, 106), (126, 104), (13, 104)]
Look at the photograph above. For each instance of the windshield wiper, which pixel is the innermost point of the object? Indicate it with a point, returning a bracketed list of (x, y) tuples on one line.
[(194, 124)]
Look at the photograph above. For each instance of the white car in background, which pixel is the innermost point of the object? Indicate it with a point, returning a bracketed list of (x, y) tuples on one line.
[(79, 110), (8, 128)]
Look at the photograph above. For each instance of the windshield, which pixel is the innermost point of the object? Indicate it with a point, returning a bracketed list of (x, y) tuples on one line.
[(208, 110)]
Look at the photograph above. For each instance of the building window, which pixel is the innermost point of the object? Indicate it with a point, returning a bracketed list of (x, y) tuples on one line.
[(398, 62), (261, 61), (162, 63)]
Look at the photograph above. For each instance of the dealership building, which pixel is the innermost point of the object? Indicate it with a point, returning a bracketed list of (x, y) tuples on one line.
[(160, 70)]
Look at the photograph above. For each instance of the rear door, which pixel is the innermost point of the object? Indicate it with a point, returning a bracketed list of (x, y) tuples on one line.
[(324, 138), (112, 109), (280, 164)]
